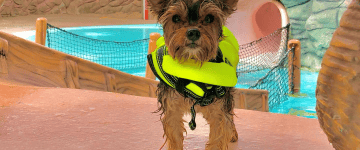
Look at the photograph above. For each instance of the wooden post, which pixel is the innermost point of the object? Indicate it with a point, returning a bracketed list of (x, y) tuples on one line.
[(265, 102), (294, 66), (152, 46), (72, 74), (110, 82), (41, 26), (243, 104)]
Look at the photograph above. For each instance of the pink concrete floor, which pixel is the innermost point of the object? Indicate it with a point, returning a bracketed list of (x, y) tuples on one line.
[(58, 118)]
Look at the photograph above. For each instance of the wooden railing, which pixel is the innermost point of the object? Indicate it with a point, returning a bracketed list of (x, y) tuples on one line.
[(34, 64)]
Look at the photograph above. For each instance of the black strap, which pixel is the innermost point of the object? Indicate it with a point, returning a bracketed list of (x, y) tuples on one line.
[(180, 86), (219, 91), (151, 64), (192, 123)]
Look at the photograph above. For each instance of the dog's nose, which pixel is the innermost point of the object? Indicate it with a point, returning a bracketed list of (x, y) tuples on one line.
[(193, 34)]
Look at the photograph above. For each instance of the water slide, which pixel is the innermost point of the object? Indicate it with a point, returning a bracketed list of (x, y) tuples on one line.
[(260, 20), (256, 19)]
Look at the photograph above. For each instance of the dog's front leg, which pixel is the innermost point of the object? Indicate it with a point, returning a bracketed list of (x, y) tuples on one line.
[(173, 125), (222, 128)]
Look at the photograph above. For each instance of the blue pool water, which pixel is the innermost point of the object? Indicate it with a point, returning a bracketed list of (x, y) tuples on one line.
[(119, 33), (303, 105)]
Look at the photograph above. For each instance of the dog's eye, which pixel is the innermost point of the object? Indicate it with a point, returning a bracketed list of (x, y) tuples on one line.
[(176, 18), (209, 18)]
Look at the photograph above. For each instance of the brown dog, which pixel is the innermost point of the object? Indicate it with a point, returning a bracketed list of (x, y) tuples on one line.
[(193, 30)]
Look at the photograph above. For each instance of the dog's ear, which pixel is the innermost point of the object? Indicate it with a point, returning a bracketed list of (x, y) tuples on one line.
[(158, 7), (229, 6)]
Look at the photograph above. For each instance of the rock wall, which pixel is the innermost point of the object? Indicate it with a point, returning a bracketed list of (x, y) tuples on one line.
[(26, 7), (313, 22)]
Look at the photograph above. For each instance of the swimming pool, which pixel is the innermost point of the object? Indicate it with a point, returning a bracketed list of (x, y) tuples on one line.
[(303, 106), (107, 33)]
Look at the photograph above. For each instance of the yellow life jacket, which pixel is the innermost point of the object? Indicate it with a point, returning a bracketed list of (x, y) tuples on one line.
[(200, 83)]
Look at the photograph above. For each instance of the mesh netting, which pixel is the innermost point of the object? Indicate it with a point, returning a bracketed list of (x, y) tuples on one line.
[(262, 64), (125, 56)]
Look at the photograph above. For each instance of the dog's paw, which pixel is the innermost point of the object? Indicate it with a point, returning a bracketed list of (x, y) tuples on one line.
[(235, 137)]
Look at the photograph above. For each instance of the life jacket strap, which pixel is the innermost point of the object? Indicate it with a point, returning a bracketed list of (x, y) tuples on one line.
[(180, 86)]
